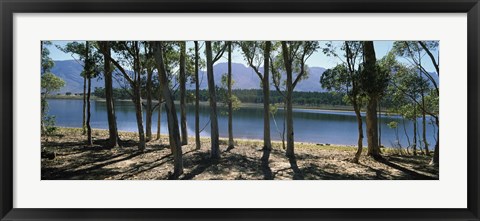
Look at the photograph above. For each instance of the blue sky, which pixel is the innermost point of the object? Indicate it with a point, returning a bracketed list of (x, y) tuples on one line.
[(318, 59)]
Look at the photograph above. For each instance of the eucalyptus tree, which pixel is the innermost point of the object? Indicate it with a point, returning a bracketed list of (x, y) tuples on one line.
[(197, 97), (129, 54), (411, 88), (172, 119), (46, 66), (76, 49), (414, 51), (374, 80), (295, 54), (149, 66), (252, 51), (219, 48), (91, 60), (182, 82), (345, 78), (113, 140), (49, 83)]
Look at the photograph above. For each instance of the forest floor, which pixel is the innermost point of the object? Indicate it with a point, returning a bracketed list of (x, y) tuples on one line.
[(75, 160)]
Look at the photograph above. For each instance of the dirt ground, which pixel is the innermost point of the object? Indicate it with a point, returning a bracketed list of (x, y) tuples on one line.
[(76, 161)]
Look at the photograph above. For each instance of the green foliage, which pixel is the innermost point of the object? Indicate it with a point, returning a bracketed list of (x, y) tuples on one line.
[(393, 124), (50, 83), (49, 124), (118, 93), (223, 95), (47, 62)]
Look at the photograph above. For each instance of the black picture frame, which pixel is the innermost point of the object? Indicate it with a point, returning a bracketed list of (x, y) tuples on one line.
[(9, 7)]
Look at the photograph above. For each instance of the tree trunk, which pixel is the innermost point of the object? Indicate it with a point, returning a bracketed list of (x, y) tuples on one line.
[(173, 131), (89, 128), (112, 121), (197, 100), (424, 126), (139, 115), (360, 132), (149, 107), (267, 143), (183, 111), (84, 120), (435, 159), (159, 114), (290, 153), (414, 137), (87, 72), (379, 122), (372, 130), (215, 151), (372, 135), (230, 105)]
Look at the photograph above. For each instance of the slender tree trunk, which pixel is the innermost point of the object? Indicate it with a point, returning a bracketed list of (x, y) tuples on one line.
[(149, 107), (415, 137), (112, 122), (379, 122), (173, 131), (289, 116), (360, 132), (84, 112), (139, 115), (159, 119), (424, 126), (267, 143), (89, 128), (215, 151), (230, 105), (87, 71), (197, 100), (183, 111), (436, 154), (406, 134)]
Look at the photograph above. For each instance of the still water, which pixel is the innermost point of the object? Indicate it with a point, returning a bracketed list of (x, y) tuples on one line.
[(315, 126)]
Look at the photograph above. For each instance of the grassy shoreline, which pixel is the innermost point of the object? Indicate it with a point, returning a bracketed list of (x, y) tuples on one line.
[(239, 141)]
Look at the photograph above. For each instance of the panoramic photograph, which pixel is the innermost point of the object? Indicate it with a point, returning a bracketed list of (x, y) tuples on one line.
[(239, 110)]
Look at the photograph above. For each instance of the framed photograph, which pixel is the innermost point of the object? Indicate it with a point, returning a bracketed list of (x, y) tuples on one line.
[(257, 110)]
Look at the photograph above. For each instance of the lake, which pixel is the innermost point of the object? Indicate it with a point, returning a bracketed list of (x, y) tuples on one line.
[(315, 126)]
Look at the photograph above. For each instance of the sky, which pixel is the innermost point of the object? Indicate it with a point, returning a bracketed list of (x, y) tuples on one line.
[(318, 59)]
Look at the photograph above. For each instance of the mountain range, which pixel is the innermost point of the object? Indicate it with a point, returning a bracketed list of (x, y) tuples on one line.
[(244, 77)]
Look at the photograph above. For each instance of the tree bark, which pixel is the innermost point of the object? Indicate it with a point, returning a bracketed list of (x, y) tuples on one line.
[(290, 153), (183, 111), (424, 126), (172, 120), (230, 105), (84, 115), (372, 130), (414, 148), (372, 135), (139, 115), (267, 143), (137, 99), (113, 138), (360, 132), (159, 119), (197, 100), (215, 147), (435, 159), (149, 106), (87, 72)]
